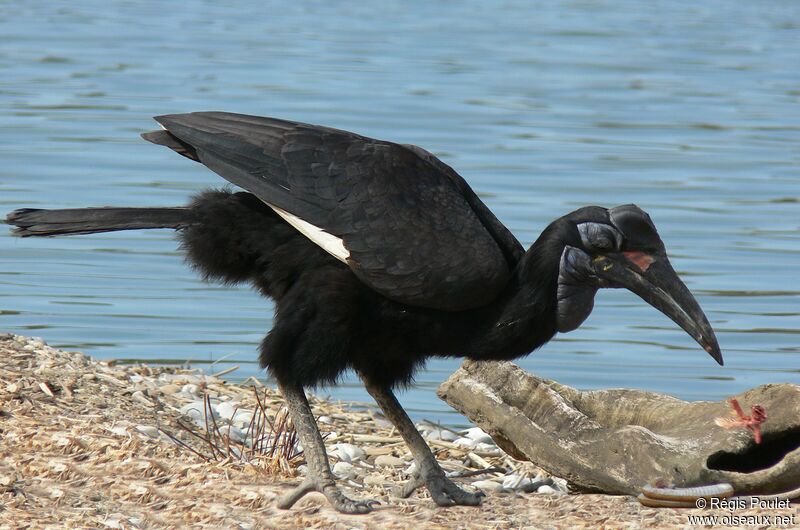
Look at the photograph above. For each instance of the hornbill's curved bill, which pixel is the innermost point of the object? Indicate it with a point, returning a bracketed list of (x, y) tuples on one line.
[(656, 282)]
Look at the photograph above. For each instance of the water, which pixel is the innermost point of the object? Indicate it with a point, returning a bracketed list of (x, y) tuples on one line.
[(690, 110)]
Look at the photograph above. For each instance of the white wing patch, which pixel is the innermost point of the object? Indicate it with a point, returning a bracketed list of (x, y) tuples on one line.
[(328, 242)]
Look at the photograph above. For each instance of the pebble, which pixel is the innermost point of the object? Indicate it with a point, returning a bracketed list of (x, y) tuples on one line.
[(190, 389), (235, 433), (478, 434), (344, 470), (424, 428), (388, 461), (465, 442), (547, 490), (325, 419), (179, 379), (113, 523), (227, 409), (442, 434), (57, 467), (170, 389), (516, 482), (148, 430), (560, 484), (488, 485), (374, 479), (348, 452), (195, 411), (119, 430), (489, 448), (141, 398), (242, 418)]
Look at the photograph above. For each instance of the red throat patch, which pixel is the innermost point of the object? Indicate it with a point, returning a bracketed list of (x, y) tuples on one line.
[(640, 259)]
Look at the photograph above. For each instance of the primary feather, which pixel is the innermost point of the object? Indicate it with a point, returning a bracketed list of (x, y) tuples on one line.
[(409, 226)]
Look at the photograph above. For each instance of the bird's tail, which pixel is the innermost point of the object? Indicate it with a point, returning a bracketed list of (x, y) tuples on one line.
[(34, 222)]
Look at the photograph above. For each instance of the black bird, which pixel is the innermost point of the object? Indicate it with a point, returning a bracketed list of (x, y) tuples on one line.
[(379, 256)]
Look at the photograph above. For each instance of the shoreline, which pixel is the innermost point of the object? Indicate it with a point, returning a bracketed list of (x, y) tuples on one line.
[(86, 443)]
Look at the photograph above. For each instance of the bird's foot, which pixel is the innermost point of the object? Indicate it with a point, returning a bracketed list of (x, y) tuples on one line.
[(338, 500), (444, 491)]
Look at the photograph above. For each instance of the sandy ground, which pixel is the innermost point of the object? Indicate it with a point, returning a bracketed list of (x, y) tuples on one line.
[(86, 444)]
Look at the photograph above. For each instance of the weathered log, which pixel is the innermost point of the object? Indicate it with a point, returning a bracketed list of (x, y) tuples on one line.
[(619, 440)]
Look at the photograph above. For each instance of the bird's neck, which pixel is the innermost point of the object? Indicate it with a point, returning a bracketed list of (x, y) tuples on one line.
[(524, 316)]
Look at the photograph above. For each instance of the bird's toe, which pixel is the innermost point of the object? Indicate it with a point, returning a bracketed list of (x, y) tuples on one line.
[(465, 498), (345, 504), (445, 492), (404, 491)]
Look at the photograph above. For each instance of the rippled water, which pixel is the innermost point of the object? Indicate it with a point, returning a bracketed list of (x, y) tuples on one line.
[(691, 110)]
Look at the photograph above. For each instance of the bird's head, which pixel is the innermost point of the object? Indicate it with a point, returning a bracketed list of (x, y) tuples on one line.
[(620, 247)]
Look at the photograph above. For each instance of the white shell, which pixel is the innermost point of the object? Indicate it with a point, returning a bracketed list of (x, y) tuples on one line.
[(478, 434), (226, 409), (148, 430), (465, 442), (348, 452), (488, 485), (344, 470)]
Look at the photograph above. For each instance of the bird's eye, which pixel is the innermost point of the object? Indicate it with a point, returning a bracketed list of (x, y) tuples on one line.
[(599, 237), (602, 243)]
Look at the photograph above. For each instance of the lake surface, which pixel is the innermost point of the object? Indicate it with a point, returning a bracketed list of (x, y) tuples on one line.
[(690, 110)]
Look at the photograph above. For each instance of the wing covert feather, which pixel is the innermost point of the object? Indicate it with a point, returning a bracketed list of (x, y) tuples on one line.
[(415, 231)]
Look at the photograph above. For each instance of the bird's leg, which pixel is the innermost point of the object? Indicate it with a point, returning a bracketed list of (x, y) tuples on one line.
[(428, 473), (319, 477)]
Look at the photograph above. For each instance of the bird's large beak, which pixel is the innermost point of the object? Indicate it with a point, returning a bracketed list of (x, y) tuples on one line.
[(656, 282)]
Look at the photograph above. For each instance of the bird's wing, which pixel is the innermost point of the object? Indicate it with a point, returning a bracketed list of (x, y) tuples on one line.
[(406, 224)]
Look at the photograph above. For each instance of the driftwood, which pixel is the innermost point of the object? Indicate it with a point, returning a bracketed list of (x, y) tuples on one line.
[(620, 440)]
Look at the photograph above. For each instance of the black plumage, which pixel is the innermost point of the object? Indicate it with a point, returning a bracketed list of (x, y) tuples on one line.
[(327, 320), (376, 196), (379, 256)]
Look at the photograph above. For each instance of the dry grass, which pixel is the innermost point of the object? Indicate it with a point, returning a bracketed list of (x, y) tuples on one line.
[(271, 444)]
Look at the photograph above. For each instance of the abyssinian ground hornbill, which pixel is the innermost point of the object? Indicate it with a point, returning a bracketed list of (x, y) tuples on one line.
[(378, 256)]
